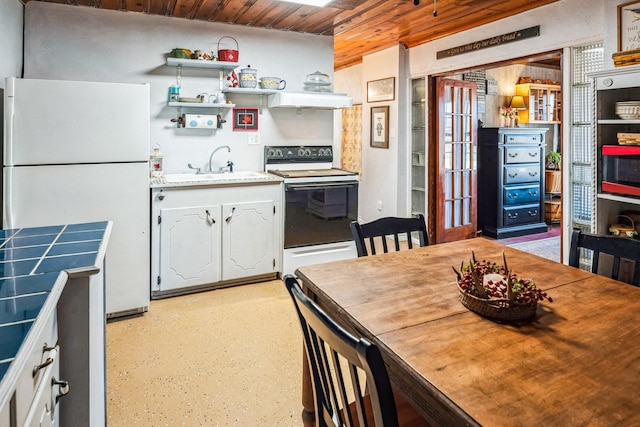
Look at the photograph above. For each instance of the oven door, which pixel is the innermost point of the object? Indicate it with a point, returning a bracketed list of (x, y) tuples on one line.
[(319, 212)]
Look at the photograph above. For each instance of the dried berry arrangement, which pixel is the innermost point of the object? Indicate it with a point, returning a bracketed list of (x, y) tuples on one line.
[(496, 292)]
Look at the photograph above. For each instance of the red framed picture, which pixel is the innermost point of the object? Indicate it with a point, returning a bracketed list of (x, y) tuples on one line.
[(245, 119)]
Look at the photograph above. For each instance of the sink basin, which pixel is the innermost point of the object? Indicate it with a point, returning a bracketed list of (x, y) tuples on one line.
[(213, 177)]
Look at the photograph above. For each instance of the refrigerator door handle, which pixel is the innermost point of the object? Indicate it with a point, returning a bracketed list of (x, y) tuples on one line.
[(7, 195), (9, 113)]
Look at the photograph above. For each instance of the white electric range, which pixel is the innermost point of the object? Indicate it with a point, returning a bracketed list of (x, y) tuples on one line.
[(320, 203)]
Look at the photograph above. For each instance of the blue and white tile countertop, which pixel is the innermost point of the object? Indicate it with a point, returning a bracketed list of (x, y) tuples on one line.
[(31, 262)]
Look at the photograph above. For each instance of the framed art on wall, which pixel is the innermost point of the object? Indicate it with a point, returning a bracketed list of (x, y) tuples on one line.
[(380, 127), (245, 119), (629, 26), (381, 90)]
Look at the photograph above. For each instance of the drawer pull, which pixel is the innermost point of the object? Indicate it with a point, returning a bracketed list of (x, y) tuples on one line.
[(533, 193), (513, 175), (228, 219), (210, 219), (512, 216), (534, 213), (533, 173), (533, 154), (63, 390), (512, 195), (513, 155), (43, 365), (47, 362)]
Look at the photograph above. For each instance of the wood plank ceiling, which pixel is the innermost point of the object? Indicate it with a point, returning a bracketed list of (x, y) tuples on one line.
[(359, 27)]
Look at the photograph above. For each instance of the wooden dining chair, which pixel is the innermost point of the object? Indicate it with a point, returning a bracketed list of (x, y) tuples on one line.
[(616, 248), (382, 229), (350, 381)]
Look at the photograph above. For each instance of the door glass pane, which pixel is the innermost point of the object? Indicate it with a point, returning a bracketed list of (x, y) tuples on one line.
[(448, 190), (466, 101), (448, 128), (467, 184), (467, 211), (467, 128), (457, 156), (448, 109), (456, 100), (458, 185), (467, 156), (447, 214), (457, 213), (448, 159)]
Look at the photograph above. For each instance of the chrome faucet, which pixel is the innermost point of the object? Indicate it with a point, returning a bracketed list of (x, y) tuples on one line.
[(229, 163)]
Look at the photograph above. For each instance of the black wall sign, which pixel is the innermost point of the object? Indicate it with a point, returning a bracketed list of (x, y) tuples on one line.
[(527, 33)]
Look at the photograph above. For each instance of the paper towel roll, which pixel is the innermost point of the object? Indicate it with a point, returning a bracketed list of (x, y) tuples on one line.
[(203, 121)]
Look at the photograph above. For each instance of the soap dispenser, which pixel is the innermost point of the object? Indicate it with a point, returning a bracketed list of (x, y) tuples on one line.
[(155, 162)]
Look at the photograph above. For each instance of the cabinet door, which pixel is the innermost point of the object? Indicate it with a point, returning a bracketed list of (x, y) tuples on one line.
[(190, 246), (248, 239)]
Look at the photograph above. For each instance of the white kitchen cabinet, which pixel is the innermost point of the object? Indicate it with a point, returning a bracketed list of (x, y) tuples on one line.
[(247, 240), (190, 240), (205, 237), (5, 415)]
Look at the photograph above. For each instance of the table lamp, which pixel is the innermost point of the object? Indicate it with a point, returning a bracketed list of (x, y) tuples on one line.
[(517, 103)]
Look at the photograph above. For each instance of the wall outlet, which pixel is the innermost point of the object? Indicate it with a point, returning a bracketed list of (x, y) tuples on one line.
[(254, 138), (380, 205)]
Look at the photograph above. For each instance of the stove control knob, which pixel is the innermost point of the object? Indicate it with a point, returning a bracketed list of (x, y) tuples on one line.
[(300, 151), (327, 152), (278, 153), (271, 152), (307, 152)]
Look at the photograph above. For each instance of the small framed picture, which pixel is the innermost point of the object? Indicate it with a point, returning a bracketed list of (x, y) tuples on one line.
[(245, 119), (629, 26), (380, 127), (381, 90)]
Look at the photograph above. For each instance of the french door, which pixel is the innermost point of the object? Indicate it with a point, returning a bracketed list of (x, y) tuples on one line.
[(456, 117)]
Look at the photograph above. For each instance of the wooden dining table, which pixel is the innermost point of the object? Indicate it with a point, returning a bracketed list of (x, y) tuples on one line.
[(576, 364)]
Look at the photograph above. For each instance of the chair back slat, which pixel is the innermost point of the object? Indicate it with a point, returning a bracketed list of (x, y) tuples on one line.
[(387, 228), (337, 359), (618, 248)]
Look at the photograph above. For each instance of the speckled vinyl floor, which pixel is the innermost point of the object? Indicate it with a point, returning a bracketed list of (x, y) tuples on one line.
[(229, 357)]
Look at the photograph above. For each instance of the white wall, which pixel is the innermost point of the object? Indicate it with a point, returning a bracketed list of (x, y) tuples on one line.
[(82, 43), (378, 194), (562, 24), (11, 14)]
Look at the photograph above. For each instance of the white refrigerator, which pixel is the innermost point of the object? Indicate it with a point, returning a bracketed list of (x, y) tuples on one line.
[(79, 152)]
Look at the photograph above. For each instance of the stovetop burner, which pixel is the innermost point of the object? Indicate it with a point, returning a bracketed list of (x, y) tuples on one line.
[(306, 163)]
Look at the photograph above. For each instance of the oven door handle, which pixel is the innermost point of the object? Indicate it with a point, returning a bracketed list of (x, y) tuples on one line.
[(319, 185)]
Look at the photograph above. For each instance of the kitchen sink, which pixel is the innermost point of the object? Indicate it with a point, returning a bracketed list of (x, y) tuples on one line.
[(214, 177)]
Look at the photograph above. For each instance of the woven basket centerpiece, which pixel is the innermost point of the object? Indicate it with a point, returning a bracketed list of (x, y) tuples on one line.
[(495, 292)]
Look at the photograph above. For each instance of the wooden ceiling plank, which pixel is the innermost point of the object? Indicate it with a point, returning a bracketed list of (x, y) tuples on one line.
[(134, 5), (183, 8), (110, 4), (90, 3), (158, 7), (320, 23)]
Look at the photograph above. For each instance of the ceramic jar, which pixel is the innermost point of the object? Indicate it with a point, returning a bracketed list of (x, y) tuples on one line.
[(248, 77)]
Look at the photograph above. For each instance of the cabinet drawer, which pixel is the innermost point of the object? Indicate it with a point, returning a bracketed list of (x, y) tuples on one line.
[(42, 355), (521, 154), (517, 174), (521, 194), (515, 138), (516, 215)]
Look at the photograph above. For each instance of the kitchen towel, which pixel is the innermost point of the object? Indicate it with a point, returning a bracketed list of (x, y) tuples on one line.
[(204, 121)]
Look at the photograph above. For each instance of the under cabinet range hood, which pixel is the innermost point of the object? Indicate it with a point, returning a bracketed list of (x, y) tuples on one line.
[(310, 100)]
